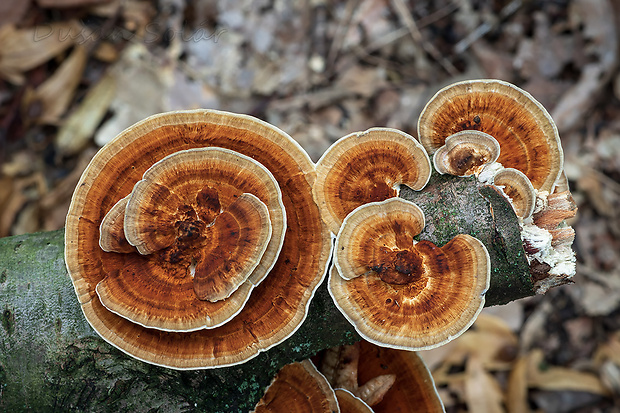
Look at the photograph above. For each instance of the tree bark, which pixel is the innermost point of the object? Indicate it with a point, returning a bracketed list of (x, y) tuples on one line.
[(52, 360)]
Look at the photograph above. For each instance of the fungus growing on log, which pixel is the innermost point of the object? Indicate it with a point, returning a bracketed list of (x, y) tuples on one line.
[(529, 143), (367, 167), (202, 234), (414, 385), (279, 302), (518, 189), (401, 293)]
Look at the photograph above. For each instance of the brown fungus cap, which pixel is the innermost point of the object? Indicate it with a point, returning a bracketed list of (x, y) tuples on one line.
[(525, 131), (194, 199), (278, 304), (378, 238), (298, 388), (367, 167), (348, 403), (340, 365), (518, 188), (202, 235), (465, 153), (414, 385), (400, 293)]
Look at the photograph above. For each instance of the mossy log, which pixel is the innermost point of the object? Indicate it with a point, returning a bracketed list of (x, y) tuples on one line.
[(52, 360)]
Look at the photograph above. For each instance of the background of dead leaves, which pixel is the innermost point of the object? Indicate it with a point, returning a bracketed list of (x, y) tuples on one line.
[(73, 73)]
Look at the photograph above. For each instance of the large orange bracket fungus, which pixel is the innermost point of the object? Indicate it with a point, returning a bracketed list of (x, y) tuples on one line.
[(400, 293), (211, 243), (201, 234)]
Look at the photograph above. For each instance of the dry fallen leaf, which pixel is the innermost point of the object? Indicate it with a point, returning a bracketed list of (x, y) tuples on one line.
[(52, 98), (24, 49), (516, 393), (12, 11), (560, 378), (80, 126), (69, 3), (141, 85), (483, 393), (597, 19)]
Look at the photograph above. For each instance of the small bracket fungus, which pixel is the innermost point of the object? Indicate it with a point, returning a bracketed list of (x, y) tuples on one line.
[(340, 366), (298, 387), (401, 293), (367, 167), (112, 229), (378, 238), (525, 131), (519, 190), (173, 217), (465, 153)]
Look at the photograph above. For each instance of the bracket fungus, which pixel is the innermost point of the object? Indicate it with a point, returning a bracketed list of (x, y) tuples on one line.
[(188, 178), (112, 229), (529, 143), (465, 153), (525, 131), (365, 167), (414, 384), (518, 189), (400, 293), (298, 387)]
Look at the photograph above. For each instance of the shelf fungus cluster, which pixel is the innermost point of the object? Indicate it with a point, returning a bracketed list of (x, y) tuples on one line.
[(193, 240), (403, 291), (396, 291), (196, 239), (358, 378), (464, 121)]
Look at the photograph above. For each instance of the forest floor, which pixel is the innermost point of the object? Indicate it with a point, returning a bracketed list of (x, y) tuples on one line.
[(74, 73)]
